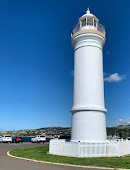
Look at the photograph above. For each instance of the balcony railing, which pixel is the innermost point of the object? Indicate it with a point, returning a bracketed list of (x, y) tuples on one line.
[(99, 28)]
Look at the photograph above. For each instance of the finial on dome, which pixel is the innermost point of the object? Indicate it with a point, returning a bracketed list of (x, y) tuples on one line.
[(88, 11)]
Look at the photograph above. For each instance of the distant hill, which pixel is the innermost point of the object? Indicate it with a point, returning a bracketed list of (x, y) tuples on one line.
[(121, 130), (56, 130)]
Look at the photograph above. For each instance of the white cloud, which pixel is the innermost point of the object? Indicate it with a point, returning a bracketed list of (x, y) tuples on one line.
[(123, 121), (114, 78)]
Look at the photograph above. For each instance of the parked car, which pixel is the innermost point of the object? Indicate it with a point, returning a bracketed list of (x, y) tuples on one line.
[(17, 140), (64, 137), (6, 138), (38, 138)]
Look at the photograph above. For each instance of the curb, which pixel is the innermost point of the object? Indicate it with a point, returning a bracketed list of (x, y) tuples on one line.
[(61, 164)]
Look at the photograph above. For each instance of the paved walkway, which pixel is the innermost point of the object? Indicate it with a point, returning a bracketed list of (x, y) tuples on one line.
[(8, 163)]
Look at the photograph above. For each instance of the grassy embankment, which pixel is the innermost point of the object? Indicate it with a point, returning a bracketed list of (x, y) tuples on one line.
[(40, 153)]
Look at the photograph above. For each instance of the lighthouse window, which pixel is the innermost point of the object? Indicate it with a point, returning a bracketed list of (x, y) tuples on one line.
[(94, 23), (84, 22), (89, 21)]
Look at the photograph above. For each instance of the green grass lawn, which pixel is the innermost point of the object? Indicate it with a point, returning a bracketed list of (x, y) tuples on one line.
[(40, 153)]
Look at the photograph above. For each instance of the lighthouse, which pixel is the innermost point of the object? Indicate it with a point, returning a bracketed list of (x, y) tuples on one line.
[(88, 130), (88, 111)]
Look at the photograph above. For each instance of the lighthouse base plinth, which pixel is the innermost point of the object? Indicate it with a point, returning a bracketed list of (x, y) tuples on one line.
[(84, 149)]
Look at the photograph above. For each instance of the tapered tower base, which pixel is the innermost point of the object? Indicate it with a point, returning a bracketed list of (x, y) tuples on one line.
[(86, 127)]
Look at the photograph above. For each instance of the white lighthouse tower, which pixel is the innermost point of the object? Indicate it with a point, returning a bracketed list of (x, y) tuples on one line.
[(88, 111), (88, 132)]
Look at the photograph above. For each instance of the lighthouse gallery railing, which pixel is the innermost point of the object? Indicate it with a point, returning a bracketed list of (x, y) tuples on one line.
[(76, 28)]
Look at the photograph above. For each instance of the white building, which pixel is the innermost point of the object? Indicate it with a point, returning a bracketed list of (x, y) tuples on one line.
[(88, 133)]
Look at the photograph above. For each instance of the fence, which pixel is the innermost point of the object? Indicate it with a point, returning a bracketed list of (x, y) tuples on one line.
[(76, 28), (80, 149)]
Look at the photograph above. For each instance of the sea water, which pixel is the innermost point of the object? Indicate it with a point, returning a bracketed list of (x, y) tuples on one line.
[(28, 139)]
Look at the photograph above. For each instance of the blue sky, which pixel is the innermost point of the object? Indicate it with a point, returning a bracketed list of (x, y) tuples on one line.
[(36, 61)]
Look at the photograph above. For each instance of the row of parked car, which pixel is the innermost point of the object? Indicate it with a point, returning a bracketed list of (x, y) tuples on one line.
[(10, 139)]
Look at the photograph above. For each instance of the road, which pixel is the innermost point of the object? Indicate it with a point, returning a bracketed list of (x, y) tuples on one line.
[(9, 163)]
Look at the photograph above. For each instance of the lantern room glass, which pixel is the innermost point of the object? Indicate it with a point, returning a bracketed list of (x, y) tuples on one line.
[(88, 21), (84, 22)]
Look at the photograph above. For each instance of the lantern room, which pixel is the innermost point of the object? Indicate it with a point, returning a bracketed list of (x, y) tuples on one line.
[(88, 21)]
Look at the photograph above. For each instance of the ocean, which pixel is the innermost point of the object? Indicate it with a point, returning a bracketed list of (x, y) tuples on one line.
[(28, 139)]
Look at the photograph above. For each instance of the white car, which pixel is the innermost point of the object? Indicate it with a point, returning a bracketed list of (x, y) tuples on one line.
[(6, 138), (39, 138)]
